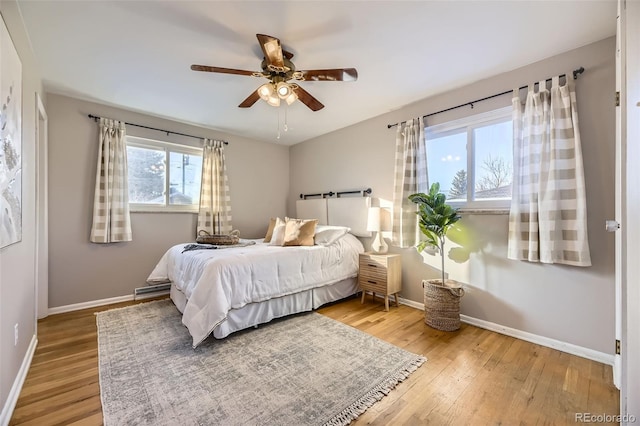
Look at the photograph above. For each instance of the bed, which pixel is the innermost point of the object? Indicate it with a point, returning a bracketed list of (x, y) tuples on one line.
[(224, 290)]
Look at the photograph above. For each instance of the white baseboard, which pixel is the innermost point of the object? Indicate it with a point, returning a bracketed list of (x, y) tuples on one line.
[(101, 302), (411, 303), (90, 304), (541, 340), (529, 337), (14, 393)]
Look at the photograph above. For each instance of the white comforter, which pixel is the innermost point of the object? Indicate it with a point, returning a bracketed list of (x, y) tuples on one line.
[(216, 281)]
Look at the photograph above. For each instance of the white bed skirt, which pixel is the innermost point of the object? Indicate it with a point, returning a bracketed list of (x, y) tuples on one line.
[(259, 313)]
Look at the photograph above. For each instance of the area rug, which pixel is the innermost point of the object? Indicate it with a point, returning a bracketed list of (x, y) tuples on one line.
[(305, 369)]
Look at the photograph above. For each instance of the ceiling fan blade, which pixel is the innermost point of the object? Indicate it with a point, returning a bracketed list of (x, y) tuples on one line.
[(307, 99), (250, 100), (287, 55), (220, 70), (339, 74), (272, 51)]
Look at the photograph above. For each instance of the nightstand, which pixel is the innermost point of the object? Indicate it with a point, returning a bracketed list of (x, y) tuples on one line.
[(380, 273)]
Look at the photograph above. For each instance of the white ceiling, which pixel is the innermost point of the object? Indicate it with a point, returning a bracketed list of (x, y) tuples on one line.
[(136, 54)]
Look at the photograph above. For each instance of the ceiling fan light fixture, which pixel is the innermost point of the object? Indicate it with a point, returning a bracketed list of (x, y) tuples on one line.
[(291, 98), (266, 91), (284, 90), (273, 100)]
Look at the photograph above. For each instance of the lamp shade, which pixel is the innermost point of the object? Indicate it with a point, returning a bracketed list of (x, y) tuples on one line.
[(273, 100), (291, 98), (265, 91), (373, 219)]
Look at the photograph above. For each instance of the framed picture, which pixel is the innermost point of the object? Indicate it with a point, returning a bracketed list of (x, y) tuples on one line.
[(10, 141)]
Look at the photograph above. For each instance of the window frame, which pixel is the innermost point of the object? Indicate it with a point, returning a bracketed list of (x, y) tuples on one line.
[(168, 148), (469, 124)]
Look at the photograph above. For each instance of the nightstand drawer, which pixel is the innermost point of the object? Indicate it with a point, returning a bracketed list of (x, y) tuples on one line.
[(375, 262), (378, 275), (371, 285)]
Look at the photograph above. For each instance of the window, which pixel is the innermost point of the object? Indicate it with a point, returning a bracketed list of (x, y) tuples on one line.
[(155, 166), (472, 159)]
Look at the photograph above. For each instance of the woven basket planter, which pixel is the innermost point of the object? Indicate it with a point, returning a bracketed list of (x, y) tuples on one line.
[(442, 304)]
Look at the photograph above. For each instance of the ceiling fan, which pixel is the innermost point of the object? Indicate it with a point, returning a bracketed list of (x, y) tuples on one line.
[(279, 70)]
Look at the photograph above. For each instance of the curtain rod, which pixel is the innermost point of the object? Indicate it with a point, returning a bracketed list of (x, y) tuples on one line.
[(575, 76), (96, 118)]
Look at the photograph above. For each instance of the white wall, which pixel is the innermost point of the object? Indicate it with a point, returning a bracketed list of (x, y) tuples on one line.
[(573, 305), (17, 276), (80, 271)]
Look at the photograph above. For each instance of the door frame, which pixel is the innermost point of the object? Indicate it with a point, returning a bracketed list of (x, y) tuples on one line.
[(629, 12), (41, 265)]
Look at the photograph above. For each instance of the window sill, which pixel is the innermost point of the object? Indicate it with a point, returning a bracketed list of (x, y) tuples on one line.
[(163, 210), (472, 211)]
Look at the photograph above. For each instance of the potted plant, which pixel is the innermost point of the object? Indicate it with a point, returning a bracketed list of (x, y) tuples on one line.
[(441, 297)]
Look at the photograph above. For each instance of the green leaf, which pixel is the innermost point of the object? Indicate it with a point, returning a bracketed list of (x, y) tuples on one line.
[(435, 216)]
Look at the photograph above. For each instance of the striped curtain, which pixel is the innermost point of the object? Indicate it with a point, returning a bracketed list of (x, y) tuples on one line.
[(410, 177), (111, 220), (548, 217), (214, 215)]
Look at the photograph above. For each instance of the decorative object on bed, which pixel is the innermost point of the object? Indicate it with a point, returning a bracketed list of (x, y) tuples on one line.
[(270, 228), (214, 214), (410, 177), (441, 297), (299, 232), (240, 243), (218, 239), (548, 216), (291, 232), (327, 235), (303, 370), (374, 224), (10, 141), (277, 236), (111, 219), (222, 291)]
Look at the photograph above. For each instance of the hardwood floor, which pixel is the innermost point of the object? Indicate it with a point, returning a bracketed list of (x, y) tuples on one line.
[(472, 376)]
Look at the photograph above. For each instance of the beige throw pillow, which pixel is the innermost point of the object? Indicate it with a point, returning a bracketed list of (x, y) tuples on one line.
[(299, 232), (272, 224), (277, 238)]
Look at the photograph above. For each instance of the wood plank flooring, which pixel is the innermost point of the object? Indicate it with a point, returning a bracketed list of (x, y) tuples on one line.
[(472, 376)]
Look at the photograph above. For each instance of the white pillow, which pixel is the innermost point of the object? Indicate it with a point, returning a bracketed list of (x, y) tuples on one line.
[(277, 238), (327, 235)]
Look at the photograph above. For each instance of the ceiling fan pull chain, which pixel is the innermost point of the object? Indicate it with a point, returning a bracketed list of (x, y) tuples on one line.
[(286, 108), (278, 134)]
